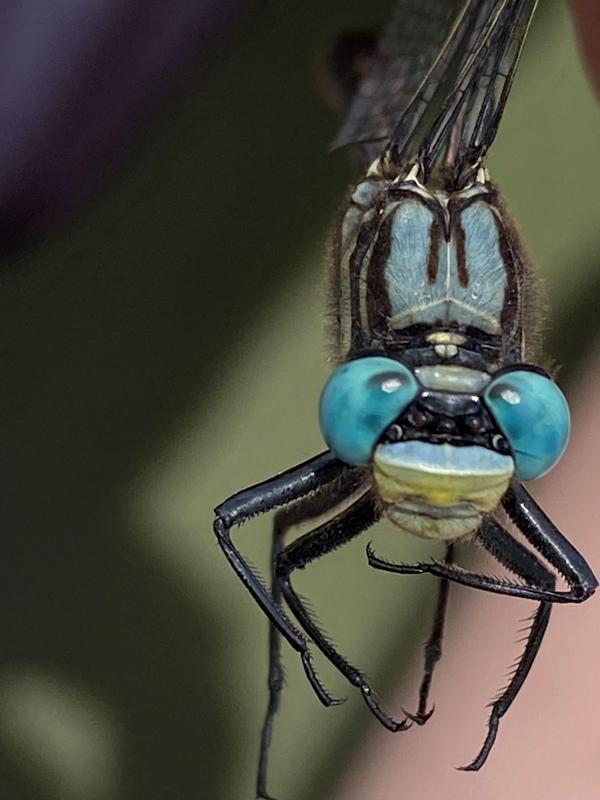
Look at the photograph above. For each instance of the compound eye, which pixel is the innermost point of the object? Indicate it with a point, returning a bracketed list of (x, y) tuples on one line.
[(533, 414), (360, 401)]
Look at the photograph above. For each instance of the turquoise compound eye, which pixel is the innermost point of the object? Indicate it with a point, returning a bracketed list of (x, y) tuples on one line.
[(360, 400), (533, 414)]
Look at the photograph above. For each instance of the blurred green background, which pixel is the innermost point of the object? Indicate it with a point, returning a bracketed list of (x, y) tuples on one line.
[(166, 349)]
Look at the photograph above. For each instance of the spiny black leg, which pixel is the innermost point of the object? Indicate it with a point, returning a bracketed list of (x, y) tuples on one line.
[(276, 677), (545, 538), (433, 648), (285, 488), (523, 563), (323, 501), (333, 534), (473, 580), (509, 552), (549, 542)]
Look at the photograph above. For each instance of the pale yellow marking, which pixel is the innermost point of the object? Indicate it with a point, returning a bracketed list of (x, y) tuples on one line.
[(375, 168), (446, 337), (444, 529), (446, 350), (440, 488)]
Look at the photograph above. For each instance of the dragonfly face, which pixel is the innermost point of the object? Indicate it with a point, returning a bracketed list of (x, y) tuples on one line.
[(442, 441)]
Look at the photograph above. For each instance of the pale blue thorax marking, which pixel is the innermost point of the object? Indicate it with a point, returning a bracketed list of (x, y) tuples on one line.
[(452, 378), (414, 299), (406, 270), (485, 264)]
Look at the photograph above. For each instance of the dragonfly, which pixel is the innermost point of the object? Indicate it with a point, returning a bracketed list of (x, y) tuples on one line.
[(437, 410)]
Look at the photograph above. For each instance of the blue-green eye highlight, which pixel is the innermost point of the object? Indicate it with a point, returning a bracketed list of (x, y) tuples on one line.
[(533, 415), (360, 400)]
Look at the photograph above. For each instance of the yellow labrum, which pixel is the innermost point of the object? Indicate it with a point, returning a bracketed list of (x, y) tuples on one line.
[(439, 491)]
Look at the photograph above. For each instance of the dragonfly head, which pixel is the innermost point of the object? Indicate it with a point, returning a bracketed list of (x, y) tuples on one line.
[(443, 441)]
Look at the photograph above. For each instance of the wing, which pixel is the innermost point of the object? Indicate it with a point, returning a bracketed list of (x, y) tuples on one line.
[(410, 58), (468, 121), (438, 83)]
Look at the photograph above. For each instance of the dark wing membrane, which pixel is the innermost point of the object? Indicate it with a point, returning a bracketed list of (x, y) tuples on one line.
[(472, 25), (468, 121), (411, 58)]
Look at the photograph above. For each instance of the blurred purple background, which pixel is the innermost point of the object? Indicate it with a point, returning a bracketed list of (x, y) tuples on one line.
[(78, 79)]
